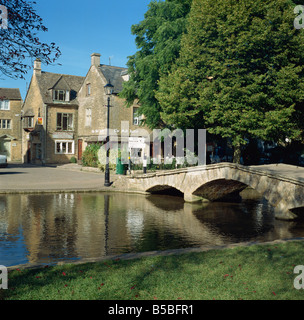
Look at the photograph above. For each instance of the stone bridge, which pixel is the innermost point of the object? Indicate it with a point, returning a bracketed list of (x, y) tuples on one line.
[(282, 185)]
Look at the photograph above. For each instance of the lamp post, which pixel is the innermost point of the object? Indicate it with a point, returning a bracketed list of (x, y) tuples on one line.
[(108, 91)]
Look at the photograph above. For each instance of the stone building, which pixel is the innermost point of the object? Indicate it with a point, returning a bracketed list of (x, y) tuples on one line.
[(10, 124), (50, 117), (62, 114), (124, 122)]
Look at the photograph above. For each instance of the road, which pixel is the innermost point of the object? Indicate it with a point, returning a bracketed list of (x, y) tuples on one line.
[(19, 178)]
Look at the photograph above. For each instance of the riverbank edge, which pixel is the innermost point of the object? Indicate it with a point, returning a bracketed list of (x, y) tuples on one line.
[(139, 255), (127, 256)]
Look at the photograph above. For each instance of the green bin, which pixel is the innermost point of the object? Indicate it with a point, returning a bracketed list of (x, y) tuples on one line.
[(120, 168)]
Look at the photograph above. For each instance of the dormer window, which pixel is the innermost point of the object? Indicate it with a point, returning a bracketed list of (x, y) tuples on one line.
[(61, 95)]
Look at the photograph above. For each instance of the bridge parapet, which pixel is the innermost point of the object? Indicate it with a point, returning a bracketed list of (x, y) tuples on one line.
[(218, 181)]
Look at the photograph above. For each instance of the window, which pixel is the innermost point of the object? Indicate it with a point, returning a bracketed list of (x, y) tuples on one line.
[(29, 122), (65, 121), (64, 147), (88, 119), (5, 124), (135, 117), (4, 105), (88, 89), (61, 95)]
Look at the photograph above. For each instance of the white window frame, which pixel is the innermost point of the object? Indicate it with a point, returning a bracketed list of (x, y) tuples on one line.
[(6, 121), (61, 95), (4, 105), (29, 122), (69, 121), (62, 146)]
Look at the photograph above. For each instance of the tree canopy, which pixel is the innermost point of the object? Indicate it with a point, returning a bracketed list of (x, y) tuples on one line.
[(239, 73), (158, 39), (20, 41)]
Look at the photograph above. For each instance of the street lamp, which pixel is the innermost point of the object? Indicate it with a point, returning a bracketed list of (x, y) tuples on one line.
[(109, 88)]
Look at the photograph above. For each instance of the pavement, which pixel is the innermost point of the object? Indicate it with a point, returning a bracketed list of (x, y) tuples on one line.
[(56, 178), (21, 178), (283, 170)]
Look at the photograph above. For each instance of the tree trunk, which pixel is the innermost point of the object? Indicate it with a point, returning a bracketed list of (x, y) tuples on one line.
[(237, 154)]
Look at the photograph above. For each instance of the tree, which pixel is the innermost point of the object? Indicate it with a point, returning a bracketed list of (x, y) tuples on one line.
[(239, 72), (158, 39), (19, 39)]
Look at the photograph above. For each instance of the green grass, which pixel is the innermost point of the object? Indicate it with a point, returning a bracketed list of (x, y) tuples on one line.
[(261, 272)]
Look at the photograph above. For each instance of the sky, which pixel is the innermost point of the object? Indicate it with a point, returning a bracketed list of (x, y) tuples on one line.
[(81, 28)]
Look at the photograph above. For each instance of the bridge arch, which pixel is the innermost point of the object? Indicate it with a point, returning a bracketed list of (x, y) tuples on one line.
[(214, 182), (165, 189), (220, 189)]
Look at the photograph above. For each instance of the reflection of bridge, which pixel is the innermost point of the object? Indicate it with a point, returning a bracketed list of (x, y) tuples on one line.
[(282, 185)]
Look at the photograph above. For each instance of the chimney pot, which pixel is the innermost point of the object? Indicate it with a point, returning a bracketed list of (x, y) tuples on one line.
[(95, 59), (37, 66)]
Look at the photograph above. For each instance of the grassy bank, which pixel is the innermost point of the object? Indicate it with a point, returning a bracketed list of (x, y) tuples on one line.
[(264, 272)]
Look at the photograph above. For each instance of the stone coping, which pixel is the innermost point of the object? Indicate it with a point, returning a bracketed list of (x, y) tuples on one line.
[(259, 170), (139, 255)]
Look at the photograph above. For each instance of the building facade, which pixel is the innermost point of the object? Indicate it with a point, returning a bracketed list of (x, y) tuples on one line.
[(92, 112), (62, 114), (10, 124), (50, 117)]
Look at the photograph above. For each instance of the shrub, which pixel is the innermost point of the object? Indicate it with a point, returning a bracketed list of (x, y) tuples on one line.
[(73, 160), (90, 156)]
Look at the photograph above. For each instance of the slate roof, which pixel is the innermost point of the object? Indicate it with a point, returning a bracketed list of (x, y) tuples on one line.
[(48, 81), (114, 74), (10, 93)]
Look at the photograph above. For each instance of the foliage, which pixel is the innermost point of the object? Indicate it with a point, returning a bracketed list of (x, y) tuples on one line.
[(73, 160), (90, 156), (20, 40), (158, 39), (239, 73)]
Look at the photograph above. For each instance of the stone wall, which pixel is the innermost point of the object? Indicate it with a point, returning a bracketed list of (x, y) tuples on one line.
[(217, 182)]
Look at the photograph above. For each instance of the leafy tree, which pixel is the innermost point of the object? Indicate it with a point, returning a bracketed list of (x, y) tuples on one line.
[(240, 72), (158, 39), (19, 40)]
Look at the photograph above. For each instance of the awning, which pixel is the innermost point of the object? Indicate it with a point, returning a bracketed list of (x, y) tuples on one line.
[(7, 137)]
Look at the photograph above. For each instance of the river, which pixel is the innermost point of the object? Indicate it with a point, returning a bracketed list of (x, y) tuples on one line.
[(48, 228)]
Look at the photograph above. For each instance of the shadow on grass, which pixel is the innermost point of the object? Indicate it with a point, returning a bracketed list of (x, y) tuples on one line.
[(255, 272)]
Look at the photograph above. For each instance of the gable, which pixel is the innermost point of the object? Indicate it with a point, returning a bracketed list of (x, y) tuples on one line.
[(114, 74), (48, 81), (61, 84)]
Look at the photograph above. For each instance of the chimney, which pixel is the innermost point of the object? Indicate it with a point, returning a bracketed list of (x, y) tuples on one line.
[(95, 59), (37, 66)]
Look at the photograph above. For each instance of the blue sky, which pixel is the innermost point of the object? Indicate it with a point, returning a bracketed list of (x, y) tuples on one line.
[(80, 28)]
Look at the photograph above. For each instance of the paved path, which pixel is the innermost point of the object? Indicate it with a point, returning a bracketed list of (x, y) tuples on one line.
[(284, 170), (20, 178), (70, 177)]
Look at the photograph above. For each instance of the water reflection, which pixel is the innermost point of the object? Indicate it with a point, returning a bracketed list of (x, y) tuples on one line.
[(49, 228)]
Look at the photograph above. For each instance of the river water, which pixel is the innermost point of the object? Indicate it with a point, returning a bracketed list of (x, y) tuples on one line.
[(45, 229)]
